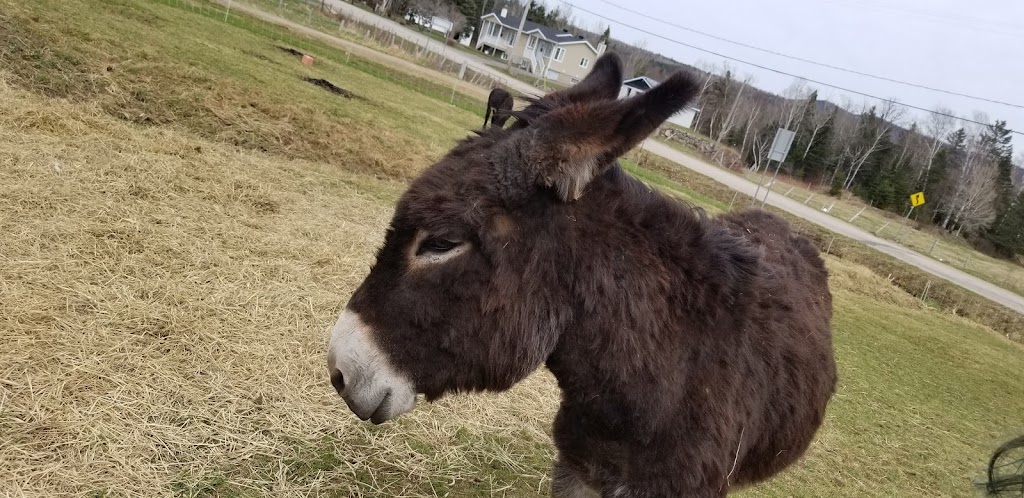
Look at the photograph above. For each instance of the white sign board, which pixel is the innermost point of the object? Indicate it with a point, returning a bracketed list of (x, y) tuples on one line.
[(780, 146)]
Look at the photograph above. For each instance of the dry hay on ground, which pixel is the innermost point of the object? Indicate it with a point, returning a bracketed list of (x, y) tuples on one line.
[(165, 305)]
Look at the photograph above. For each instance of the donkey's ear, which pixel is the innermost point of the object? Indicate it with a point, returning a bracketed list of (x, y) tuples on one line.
[(602, 83), (576, 143)]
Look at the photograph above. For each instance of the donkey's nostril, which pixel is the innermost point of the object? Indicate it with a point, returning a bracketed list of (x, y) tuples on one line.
[(337, 380)]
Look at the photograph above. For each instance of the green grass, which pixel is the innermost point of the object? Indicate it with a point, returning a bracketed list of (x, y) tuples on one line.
[(180, 231)]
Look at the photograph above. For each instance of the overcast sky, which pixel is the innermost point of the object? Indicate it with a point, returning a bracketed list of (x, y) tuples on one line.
[(972, 47)]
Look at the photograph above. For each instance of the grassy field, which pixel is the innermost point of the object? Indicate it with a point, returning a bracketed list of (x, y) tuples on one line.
[(183, 216), (949, 249)]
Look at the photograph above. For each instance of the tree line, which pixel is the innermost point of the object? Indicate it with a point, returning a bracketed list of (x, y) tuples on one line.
[(972, 184)]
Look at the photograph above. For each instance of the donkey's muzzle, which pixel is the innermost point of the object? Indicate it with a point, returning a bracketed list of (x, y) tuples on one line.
[(363, 375)]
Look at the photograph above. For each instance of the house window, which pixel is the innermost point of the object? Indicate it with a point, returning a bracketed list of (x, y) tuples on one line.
[(531, 43), (559, 54), (491, 29), (584, 62), (504, 56)]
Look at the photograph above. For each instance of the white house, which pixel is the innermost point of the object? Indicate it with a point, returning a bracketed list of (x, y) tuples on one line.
[(542, 50), (436, 23), (641, 84), (636, 86)]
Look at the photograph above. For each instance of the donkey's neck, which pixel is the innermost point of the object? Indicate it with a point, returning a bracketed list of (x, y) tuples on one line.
[(628, 280), (641, 283)]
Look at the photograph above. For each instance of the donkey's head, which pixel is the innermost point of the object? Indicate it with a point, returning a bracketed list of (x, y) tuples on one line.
[(469, 291)]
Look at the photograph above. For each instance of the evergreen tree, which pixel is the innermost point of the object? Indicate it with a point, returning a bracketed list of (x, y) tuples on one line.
[(606, 37), (538, 14), (820, 151), (997, 137), (1007, 232)]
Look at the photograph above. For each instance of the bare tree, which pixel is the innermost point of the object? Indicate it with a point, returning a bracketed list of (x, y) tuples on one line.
[(939, 125), (873, 128), (638, 59), (971, 203), (795, 96), (977, 202), (1018, 172), (728, 123), (759, 150), (709, 69), (749, 122), (846, 129), (818, 124)]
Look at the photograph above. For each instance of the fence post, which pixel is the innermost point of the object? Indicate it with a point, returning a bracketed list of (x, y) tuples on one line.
[(883, 227), (788, 191), (733, 199), (858, 214), (827, 251), (936, 241), (808, 199), (968, 259)]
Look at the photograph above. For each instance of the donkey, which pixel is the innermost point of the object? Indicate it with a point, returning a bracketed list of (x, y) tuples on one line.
[(694, 354), (499, 107)]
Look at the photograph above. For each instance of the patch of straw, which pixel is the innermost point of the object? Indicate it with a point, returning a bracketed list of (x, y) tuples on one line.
[(165, 307)]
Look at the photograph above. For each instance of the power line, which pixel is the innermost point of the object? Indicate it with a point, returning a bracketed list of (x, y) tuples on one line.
[(779, 71), (809, 61)]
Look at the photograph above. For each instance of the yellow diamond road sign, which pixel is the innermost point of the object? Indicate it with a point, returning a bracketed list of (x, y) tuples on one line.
[(917, 199)]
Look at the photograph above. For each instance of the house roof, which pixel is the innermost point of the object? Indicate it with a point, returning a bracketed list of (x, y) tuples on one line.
[(554, 35), (641, 83)]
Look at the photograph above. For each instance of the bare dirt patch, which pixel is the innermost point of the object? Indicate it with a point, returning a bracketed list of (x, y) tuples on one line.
[(331, 87)]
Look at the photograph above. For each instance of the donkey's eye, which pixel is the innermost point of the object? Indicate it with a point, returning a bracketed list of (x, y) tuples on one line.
[(436, 245)]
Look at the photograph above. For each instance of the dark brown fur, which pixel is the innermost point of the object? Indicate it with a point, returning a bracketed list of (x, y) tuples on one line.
[(499, 107), (693, 353)]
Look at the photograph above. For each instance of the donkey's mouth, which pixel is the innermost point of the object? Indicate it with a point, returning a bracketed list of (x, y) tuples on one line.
[(380, 415), (389, 407)]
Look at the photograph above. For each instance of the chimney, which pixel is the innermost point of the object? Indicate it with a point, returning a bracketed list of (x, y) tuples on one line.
[(601, 47), (504, 12)]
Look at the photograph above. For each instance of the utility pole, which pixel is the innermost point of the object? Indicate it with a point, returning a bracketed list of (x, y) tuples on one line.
[(519, 33)]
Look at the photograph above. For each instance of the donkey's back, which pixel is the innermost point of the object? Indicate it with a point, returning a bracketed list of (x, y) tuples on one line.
[(794, 373)]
